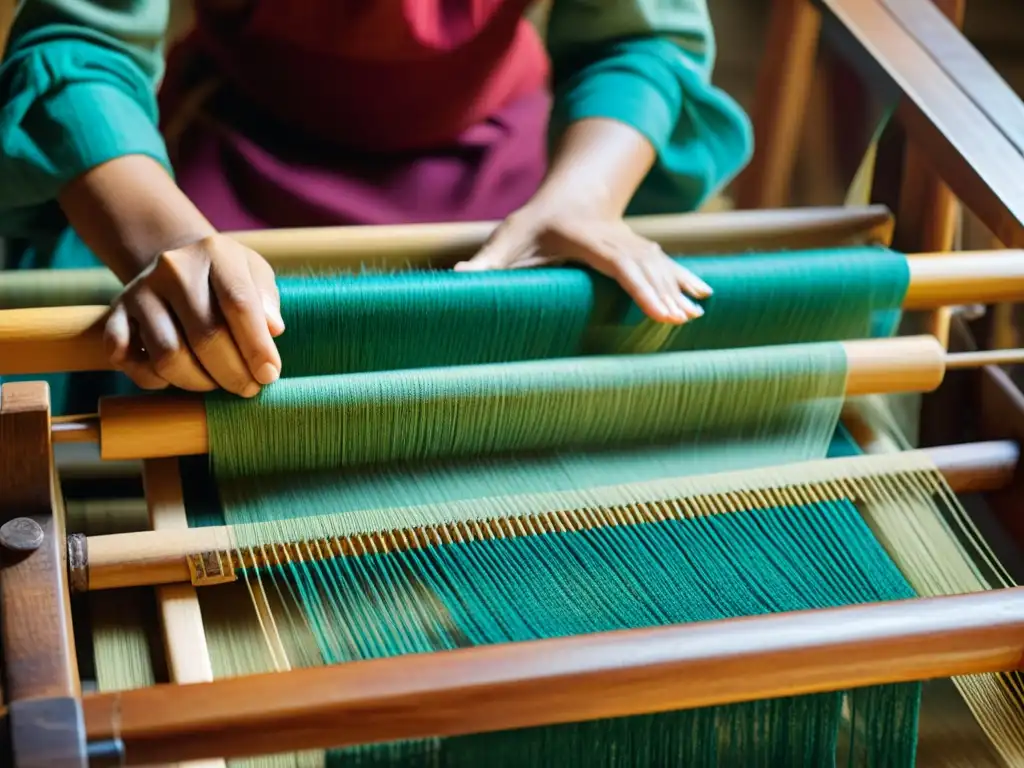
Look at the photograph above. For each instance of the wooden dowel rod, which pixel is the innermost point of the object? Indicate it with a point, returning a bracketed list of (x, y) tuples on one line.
[(75, 429), (444, 244), (188, 657), (148, 558), (153, 427), (985, 357), (438, 245), (69, 339), (964, 277), (520, 685)]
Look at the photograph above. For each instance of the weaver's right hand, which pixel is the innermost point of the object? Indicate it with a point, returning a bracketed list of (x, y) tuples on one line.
[(199, 317)]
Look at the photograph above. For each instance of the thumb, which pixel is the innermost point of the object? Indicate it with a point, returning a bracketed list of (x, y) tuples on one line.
[(501, 251), (266, 284), (272, 308)]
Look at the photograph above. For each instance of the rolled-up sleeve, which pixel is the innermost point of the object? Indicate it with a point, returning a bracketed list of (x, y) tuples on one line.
[(77, 89), (648, 63)]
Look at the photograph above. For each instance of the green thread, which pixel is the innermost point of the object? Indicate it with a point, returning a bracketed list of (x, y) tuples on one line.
[(522, 385)]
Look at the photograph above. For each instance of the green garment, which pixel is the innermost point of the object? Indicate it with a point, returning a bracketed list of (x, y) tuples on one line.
[(79, 81)]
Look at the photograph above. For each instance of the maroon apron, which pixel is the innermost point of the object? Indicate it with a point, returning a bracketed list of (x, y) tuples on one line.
[(327, 112)]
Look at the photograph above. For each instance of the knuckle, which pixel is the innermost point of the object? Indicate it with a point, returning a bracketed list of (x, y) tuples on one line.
[(172, 265), (166, 360), (234, 298), (207, 337), (652, 251), (145, 379)]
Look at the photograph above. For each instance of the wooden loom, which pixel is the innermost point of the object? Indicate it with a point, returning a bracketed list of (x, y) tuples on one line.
[(52, 723)]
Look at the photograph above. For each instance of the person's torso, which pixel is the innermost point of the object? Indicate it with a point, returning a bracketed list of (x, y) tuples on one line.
[(373, 74)]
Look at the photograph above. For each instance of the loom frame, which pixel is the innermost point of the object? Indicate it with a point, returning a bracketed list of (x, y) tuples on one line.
[(448, 694), (50, 722)]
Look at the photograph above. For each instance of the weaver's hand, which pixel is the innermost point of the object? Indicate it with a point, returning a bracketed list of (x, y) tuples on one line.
[(199, 317), (658, 285)]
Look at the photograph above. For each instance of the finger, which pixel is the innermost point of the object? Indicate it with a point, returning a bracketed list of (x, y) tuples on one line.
[(139, 369), (668, 276), (187, 291), (510, 244), (266, 284), (660, 275), (242, 306), (689, 282), (631, 277), (122, 348), (117, 335), (603, 251), (124, 353), (165, 346), (537, 260)]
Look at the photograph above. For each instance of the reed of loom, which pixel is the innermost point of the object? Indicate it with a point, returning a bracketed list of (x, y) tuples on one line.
[(500, 687)]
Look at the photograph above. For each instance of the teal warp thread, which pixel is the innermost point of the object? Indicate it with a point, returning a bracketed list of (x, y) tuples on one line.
[(561, 584), (346, 324)]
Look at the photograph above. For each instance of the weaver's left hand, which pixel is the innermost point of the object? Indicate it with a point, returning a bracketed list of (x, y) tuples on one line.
[(532, 238)]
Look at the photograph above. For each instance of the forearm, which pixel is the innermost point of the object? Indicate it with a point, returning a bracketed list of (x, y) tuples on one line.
[(128, 211), (596, 167)]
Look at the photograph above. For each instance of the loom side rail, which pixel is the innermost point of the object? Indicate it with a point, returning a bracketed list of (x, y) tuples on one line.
[(972, 154), (520, 685)]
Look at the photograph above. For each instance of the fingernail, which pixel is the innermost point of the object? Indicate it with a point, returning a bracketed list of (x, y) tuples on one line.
[(665, 309), (698, 310), (267, 374), (251, 390), (701, 285)]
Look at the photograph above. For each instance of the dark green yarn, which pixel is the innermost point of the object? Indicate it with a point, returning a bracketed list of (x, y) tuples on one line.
[(554, 585), (343, 324)]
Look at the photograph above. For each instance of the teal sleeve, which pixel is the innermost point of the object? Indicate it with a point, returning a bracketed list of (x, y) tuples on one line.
[(647, 63), (77, 89)]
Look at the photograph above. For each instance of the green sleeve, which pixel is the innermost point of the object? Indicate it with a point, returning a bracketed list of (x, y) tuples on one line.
[(77, 88), (647, 63)]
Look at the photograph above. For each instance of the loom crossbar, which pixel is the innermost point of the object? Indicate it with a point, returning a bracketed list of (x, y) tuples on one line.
[(70, 339), (150, 558), (152, 427), (615, 674)]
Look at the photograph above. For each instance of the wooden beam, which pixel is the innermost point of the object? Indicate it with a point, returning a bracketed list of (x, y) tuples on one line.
[(934, 25), (974, 158), (784, 81), (148, 558), (566, 680), (7, 9), (188, 657), (41, 684)]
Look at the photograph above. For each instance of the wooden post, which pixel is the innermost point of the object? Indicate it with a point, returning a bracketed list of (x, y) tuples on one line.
[(188, 657), (780, 101), (41, 683), (928, 212), (7, 8)]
